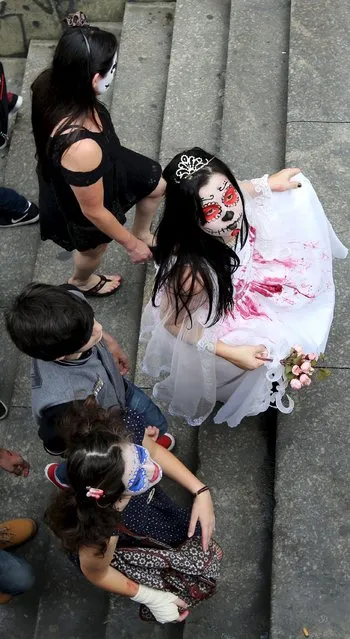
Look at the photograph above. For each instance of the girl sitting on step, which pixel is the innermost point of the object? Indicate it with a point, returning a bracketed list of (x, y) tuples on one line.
[(244, 273), (113, 470)]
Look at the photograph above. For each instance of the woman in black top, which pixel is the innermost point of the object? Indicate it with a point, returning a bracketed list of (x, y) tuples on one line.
[(87, 180)]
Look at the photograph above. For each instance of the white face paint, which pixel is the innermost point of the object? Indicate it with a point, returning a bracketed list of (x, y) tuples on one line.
[(103, 84), (222, 208), (141, 472)]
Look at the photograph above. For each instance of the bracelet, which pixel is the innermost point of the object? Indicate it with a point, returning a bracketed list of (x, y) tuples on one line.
[(201, 490)]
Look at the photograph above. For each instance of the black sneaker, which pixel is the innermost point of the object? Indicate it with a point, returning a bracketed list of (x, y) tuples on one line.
[(30, 216), (14, 102), (3, 410)]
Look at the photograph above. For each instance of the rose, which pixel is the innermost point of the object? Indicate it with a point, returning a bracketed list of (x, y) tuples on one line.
[(305, 367), (304, 380), (312, 356), (298, 349), (296, 370), (295, 384)]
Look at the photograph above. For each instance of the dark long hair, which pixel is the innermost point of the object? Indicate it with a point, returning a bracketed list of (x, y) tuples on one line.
[(64, 93), (183, 246), (94, 458)]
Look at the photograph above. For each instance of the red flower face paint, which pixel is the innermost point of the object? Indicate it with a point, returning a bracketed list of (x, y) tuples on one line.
[(211, 211), (231, 196)]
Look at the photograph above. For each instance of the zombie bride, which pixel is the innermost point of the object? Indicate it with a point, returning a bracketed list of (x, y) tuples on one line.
[(244, 273)]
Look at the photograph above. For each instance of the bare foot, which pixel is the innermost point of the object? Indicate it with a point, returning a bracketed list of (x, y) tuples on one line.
[(94, 280)]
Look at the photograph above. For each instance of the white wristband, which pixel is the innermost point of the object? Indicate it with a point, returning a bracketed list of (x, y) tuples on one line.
[(161, 604)]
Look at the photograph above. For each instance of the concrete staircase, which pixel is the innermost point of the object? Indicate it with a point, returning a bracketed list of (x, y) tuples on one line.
[(215, 74)]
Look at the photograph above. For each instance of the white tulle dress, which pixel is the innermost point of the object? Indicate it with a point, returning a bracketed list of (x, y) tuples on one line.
[(283, 295)]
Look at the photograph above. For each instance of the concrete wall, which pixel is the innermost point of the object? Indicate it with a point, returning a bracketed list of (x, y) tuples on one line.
[(22, 21)]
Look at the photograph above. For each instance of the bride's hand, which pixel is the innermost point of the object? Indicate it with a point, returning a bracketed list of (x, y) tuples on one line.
[(281, 181), (247, 357)]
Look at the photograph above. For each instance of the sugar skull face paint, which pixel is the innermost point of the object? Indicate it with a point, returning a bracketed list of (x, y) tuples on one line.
[(103, 84), (222, 207), (141, 472)]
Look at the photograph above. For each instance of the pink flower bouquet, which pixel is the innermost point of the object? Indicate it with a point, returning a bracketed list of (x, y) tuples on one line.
[(299, 368)]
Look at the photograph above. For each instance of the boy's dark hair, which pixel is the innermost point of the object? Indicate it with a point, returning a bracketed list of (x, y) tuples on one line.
[(47, 322)]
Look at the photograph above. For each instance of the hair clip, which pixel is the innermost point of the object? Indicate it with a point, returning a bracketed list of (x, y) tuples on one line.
[(96, 493), (188, 165), (77, 19)]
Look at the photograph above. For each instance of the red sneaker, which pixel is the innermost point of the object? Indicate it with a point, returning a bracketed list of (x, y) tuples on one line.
[(14, 102), (50, 472), (167, 441)]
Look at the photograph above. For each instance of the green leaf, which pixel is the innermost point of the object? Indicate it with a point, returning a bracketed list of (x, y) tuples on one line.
[(323, 373)]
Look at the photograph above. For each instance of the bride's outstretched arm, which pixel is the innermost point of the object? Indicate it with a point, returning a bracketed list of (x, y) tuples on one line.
[(280, 181)]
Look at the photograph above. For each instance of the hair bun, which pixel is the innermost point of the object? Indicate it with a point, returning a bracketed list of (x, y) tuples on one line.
[(77, 19)]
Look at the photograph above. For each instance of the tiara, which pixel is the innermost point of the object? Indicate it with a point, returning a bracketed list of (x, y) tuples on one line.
[(188, 165)]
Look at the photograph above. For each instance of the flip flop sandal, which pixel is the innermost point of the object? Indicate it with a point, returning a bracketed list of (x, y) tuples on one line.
[(94, 291)]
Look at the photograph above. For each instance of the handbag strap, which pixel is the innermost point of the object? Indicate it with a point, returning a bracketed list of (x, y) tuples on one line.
[(154, 542)]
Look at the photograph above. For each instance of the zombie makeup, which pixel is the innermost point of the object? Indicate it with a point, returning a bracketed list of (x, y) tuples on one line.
[(222, 208), (103, 84), (141, 472)]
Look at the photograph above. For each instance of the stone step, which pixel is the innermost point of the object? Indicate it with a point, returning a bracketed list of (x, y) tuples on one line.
[(108, 11), (193, 107), (19, 617), (14, 71), (255, 102), (20, 245), (22, 22), (69, 605), (311, 534), (239, 467)]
